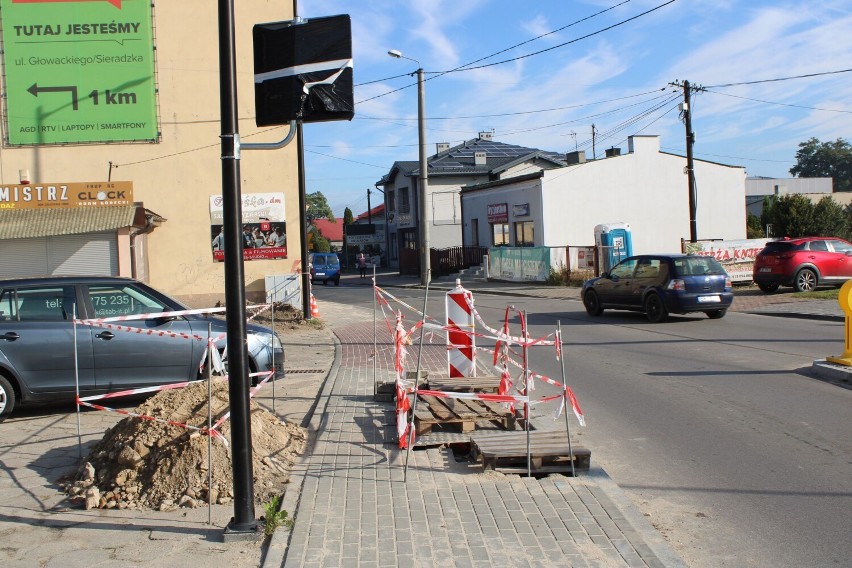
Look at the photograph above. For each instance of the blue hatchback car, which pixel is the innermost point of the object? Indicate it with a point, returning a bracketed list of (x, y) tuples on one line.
[(660, 284)]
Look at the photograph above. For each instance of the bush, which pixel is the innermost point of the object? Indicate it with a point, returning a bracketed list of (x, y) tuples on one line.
[(562, 276)]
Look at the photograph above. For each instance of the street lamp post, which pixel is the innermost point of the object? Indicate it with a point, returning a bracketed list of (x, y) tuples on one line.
[(425, 218)]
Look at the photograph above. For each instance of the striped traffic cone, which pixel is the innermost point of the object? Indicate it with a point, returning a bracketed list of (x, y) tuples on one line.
[(314, 308)]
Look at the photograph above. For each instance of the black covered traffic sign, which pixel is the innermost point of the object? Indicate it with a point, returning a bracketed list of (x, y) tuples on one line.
[(303, 70)]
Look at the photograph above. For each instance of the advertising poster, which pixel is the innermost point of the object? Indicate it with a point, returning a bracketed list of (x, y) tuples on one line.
[(79, 71), (263, 227), (736, 257), (519, 264)]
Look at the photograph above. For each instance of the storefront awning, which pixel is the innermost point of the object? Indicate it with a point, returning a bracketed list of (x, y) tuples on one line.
[(28, 223)]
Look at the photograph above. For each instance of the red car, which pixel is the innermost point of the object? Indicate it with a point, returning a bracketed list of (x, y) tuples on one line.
[(803, 263)]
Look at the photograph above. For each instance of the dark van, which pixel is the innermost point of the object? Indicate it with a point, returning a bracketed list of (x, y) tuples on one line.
[(325, 267)]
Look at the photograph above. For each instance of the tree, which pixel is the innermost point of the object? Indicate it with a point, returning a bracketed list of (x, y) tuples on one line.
[(830, 219), (825, 159), (754, 229), (321, 244), (318, 207), (348, 217), (790, 216)]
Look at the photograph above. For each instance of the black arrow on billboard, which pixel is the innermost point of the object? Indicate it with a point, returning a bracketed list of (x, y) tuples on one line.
[(35, 90)]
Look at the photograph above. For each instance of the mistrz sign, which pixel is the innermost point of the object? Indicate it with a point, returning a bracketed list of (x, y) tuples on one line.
[(70, 195)]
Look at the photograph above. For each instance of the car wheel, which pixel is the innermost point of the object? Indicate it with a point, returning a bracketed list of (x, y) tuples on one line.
[(716, 314), (768, 288), (592, 303), (7, 398), (806, 280), (337, 281), (325, 282), (655, 309)]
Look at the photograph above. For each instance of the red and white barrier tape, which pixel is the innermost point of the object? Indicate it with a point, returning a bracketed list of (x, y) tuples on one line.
[(488, 397), (253, 391), (141, 331), (212, 432)]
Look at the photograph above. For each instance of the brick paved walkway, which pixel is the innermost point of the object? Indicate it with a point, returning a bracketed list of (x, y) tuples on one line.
[(355, 508)]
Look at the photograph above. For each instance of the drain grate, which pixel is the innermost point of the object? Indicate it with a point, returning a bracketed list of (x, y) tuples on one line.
[(305, 371)]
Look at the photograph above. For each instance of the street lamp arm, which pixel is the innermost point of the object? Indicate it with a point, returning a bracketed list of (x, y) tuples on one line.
[(395, 53)]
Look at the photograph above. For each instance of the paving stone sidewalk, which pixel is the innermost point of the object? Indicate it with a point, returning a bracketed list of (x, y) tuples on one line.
[(356, 507)]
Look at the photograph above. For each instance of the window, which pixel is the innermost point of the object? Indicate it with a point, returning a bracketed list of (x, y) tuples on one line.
[(840, 246), (394, 246), (624, 269), (110, 301), (391, 201), (819, 246), (404, 205), (474, 232), (38, 304), (500, 234), (524, 234)]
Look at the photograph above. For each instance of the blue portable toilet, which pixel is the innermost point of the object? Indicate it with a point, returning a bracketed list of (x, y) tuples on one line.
[(614, 243)]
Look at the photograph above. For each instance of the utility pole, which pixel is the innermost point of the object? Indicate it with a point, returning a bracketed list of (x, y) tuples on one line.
[(594, 155), (369, 212), (690, 167)]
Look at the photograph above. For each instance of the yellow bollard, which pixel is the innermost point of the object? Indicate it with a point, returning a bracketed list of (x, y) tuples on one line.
[(844, 298)]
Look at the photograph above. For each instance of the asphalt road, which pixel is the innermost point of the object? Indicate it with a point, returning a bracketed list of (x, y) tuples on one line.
[(712, 427)]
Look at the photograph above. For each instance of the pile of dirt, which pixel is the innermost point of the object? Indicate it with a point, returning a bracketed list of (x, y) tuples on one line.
[(144, 464)]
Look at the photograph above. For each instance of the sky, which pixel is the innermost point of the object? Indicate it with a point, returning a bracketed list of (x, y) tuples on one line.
[(557, 67)]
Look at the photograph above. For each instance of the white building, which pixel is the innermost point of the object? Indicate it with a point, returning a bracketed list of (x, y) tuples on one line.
[(645, 187), (474, 161), (757, 188)]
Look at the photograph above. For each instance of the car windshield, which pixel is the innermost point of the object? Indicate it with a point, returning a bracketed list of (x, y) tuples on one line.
[(698, 266), (329, 259)]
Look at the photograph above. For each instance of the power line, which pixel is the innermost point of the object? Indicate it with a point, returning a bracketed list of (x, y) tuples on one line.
[(733, 157), (777, 103), (621, 23), (780, 79), (347, 160), (503, 50), (466, 67), (519, 112)]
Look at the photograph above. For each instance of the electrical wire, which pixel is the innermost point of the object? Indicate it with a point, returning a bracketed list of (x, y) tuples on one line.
[(779, 79), (621, 23), (431, 118), (502, 50), (777, 103), (466, 67)]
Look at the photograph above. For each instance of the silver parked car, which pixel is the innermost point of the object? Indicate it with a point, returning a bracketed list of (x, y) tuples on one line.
[(38, 349)]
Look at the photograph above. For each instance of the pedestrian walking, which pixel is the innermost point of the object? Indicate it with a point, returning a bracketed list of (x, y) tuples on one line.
[(362, 264)]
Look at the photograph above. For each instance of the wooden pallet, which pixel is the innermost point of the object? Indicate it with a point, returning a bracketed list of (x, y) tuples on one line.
[(464, 384), (507, 452), (460, 414)]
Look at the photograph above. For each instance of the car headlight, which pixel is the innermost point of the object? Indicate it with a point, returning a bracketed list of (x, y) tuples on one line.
[(266, 338)]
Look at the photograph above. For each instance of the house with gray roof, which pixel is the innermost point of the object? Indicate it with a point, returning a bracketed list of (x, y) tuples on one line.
[(475, 161)]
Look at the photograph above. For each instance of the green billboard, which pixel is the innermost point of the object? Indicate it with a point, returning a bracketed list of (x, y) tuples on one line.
[(78, 71)]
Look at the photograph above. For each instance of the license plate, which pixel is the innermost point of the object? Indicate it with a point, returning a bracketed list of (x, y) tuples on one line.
[(320, 273), (708, 299), (765, 269)]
